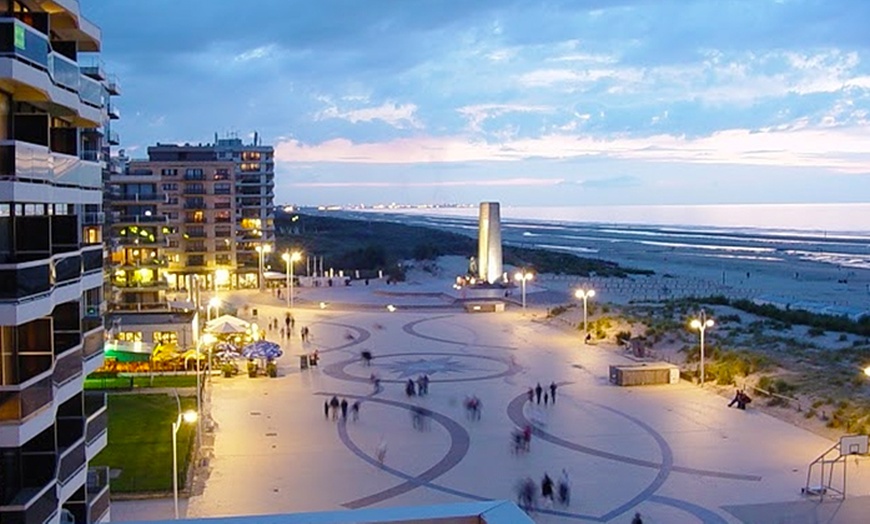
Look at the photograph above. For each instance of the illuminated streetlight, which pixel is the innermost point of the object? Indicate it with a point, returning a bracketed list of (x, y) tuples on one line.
[(701, 324), (289, 259), (262, 250), (213, 303), (523, 277), (189, 417), (867, 371), (585, 294)]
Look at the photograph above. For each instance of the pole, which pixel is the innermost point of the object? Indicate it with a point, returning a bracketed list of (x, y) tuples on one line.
[(290, 294), (289, 279), (702, 352), (524, 293), (175, 426), (260, 268), (585, 325)]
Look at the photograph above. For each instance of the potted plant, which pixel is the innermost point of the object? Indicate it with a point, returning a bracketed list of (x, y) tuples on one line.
[(271, 369), (252, 369), (228, 369)]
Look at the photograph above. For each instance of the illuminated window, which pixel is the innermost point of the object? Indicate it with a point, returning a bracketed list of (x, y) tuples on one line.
[(130, 336), (165, 337)]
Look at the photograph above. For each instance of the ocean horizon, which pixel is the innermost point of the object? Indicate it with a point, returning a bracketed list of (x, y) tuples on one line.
[(830, 234), (826, 219)]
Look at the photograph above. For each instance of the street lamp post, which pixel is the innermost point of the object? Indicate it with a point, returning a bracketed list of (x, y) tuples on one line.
[(290, 259), (585, 294), (262, 250), (701, 324), (523, 277), (189, 417)]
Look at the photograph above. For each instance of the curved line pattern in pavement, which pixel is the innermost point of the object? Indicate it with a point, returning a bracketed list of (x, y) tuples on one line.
[(409, 329), (704, 515), (362, 336), (515, 413), (460, 441), (336, 369), (521, 420)]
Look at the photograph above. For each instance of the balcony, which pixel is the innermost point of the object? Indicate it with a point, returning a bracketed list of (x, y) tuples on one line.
[(113, 86), (31, 505), (93, 67), (93, 219), (18, 403), (72, 461), (113, 138), (98, 493), (120, 219), (194, 176), (194, 191), (29, 160), (136, 197), (195, 205), (91, 92), (93, 343), (195, 248), (113, 112)]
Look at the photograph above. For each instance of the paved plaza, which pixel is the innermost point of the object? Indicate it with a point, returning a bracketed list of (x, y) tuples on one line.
[(673, 453)]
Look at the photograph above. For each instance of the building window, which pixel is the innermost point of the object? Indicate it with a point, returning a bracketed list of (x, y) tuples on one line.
[(130, 336), (169, 172), (223, 260), (223, 188), (250, 155), (170, 187), (249, 166), (221, 174), (165, 337)]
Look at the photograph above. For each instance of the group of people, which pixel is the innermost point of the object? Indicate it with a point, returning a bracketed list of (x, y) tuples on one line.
[(521, 439), (421, 388), (472, 407), (550, 491), (333, 405), (548, 396), (741, 399)]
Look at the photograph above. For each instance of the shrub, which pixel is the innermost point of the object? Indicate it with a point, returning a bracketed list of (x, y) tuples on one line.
[(815, 331), (622, 337)]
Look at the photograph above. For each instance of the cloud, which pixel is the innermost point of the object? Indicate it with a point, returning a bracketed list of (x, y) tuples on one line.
[(399, 116), (477, 114), (505, 182)]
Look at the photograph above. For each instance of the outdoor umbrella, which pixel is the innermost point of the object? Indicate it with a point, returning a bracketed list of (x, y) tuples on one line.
[(262, 349), (226, 351)]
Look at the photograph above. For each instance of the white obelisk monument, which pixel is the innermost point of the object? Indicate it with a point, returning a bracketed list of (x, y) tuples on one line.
[(489, 261)]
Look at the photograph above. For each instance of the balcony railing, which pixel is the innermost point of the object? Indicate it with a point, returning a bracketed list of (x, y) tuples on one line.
[(17, 404), (72, 461), (93, 343), (97, 488), (41, 504)]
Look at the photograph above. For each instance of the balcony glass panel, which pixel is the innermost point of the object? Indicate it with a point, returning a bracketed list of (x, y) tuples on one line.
[(97, 426), (68, 269), (24, 43), (92, 260), (16, 404), (93, 343), (64, 71), (71, 462), (90, 91), (67, 367), (21, 283)]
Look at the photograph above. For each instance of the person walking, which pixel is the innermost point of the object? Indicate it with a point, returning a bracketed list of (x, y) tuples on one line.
[(546, 398), (553, 392), (637, 519), (344, 409), (531, 395), (326, 409), (354, 409), (333, 405), (547, 488), (538, 391), (381, 450), (564, 488)]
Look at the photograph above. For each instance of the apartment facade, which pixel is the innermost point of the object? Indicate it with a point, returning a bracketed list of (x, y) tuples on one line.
[(221, 195), (54, 111)]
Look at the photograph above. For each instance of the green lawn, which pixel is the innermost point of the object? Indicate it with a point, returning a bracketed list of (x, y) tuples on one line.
[(140, 442), (143, 381)]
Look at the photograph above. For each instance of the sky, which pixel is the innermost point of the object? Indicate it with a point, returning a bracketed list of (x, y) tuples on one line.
[(530, 103)]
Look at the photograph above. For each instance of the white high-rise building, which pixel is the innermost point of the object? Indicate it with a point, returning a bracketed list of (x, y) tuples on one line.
[(54, 109)]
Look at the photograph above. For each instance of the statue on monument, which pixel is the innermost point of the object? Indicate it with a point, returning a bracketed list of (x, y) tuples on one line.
[(472, 266)]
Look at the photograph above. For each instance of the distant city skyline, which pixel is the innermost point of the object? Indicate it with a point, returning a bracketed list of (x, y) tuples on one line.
[(590, 102)]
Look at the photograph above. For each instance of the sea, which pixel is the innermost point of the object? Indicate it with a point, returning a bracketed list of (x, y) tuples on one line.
[(837, 234)]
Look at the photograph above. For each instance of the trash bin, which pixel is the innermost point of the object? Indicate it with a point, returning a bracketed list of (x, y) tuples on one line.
[(303, 361), (254, 312)]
